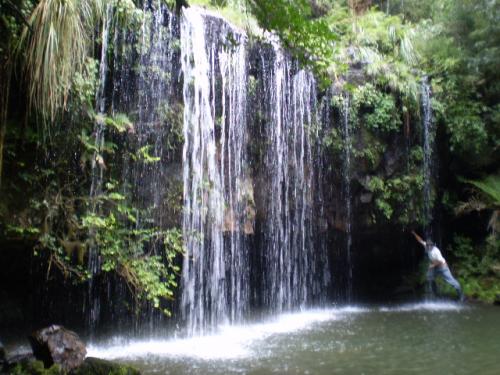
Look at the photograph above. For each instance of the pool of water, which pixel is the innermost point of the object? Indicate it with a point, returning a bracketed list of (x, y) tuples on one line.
[(422, 338)]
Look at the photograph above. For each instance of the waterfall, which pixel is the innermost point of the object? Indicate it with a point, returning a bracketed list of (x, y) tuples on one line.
[(289, 257), (92, 302), (215, 277), (236, 186), (346, 175), (428, 144), (223, 244)]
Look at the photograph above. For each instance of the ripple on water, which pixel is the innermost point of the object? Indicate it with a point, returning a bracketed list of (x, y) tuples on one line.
[(424, 306)]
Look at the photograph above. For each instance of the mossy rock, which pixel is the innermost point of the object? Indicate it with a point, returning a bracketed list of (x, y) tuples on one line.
[(34, 368), (96, 366)]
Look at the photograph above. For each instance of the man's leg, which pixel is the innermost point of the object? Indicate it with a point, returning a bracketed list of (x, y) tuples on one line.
[(448, 277), (431, 288)]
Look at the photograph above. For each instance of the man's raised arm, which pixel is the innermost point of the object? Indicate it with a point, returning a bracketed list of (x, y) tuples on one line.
[(419, 239)]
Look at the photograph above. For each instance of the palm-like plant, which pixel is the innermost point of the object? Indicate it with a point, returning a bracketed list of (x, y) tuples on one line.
[(487, 197), (386, 46), (55, 48)]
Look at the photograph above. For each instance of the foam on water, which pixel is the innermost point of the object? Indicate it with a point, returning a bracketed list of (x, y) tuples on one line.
[(229, 343)]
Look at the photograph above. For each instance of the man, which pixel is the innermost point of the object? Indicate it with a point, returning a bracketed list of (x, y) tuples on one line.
[(438, 266)]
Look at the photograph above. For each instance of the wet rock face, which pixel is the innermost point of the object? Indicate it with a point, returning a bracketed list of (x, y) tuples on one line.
[(56, 344)]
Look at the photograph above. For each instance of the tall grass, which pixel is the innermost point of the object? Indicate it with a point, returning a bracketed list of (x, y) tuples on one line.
[(55, 48)]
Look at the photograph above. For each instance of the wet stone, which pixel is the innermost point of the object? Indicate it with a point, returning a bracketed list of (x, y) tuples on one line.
[(56, 344)]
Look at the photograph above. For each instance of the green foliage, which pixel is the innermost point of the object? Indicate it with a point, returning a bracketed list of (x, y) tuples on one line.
[(126, 14), (172, 115), (487, 197), (398, 198), (370, 152), (66, 226), (55, 48), (386, 46), (234, 11), (458, 42), (333, 142), (143, 155), (468, 135), (125, 249), (310, 40), (35, 368), (97, 366), (120, 122), (84, 86), (490, 188), (478, 267), (376, 110)]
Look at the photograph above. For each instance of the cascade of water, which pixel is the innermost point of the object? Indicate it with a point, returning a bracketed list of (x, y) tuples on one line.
[(277, 257), (320, 229), (347, 193), (92, 302), (428, 143), (236, 186), (203, 277), (140, 87), (215, 278), (289, 257), (151, 128), (218, 191)]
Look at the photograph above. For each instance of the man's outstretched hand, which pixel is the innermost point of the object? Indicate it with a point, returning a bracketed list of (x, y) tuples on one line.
[(419, 239)]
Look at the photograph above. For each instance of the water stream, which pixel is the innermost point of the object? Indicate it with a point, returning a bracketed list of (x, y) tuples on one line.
[(219, 203), (346, 175), (428, 145), (204, 298), (92, 301)]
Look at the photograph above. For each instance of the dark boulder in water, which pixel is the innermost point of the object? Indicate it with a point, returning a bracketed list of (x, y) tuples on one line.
[(56, 344)]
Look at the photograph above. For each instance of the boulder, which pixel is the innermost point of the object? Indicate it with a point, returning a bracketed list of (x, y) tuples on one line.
[(96, 366), (56, 344)]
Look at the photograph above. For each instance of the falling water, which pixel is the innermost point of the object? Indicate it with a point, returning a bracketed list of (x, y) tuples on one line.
[(238, 192), (347, 193), (219, 208), (289, 257), (428, 142), (141, 87), (203, 276), (215, 278), (92, 303), (148, 96)]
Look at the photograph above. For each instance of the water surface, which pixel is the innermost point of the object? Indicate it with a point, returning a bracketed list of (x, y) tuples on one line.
[(422, 338)]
